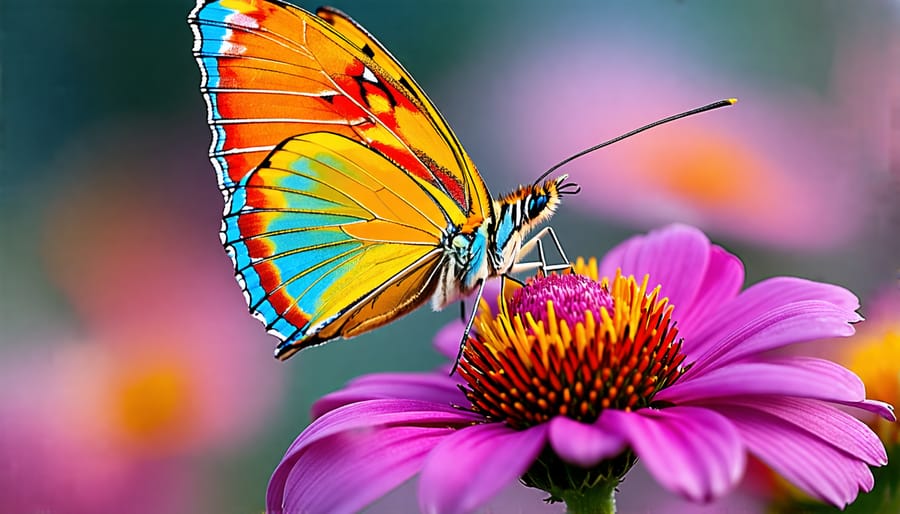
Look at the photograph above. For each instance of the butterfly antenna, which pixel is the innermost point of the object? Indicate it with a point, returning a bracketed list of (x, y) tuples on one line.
[(685, 114)]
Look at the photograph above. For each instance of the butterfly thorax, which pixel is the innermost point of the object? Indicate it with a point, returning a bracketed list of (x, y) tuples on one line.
[(480, 250)]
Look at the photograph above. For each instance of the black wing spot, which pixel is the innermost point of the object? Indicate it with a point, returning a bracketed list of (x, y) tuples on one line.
[(409, 89), (367, 50), (361, 82)]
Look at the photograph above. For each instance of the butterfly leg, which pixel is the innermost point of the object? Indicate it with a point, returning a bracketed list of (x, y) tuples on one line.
[(541, 263), (465, 336)]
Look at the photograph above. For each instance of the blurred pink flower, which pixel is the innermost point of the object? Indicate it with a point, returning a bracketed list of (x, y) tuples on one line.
[(76, 439), (159, 365), (780, 168), (147, 279)]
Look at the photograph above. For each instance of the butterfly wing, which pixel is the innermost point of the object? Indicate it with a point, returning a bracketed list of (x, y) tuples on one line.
[(272, 71), (331, 239), (340, 177), (477, 196)]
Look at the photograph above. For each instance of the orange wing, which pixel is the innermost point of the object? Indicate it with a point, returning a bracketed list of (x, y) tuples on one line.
[(342, 181), (274, 71)]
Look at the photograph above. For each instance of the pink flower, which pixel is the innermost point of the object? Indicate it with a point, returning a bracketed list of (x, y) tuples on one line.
[(156, 366), (676, 374), (873, 354), (78, 436), (160, 303), (789, 166)]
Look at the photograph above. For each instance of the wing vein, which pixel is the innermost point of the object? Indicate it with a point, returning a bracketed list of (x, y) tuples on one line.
[(279, 39), (305, 272), (378, 290), (378, 179), (376, 119)]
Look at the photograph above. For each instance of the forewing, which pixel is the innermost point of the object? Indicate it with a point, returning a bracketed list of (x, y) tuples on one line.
[(476, 191), (272, 71)]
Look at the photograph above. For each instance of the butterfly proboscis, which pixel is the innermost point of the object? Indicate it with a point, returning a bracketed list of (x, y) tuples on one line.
[(571, 189)]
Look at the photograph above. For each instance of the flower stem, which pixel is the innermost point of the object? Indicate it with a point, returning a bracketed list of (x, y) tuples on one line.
[(599, 499)]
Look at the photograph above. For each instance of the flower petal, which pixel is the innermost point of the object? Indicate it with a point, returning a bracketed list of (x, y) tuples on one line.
[(722, 282), (370, 414), (690, 450), (475, 463), (790, 376), (431, 387), (347, 471), (819, 420), (805, 459), (760, 299), (446, 342), (675, 256), (582, 444), (361, 427), (779, 326), (883, 409)]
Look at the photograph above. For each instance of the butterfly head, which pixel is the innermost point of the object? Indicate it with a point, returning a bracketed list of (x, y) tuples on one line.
[(519, 212), (533, 204), (540, 200)]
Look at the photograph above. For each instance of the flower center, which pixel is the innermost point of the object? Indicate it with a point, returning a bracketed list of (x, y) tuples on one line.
[(568, 345), (572, 296)]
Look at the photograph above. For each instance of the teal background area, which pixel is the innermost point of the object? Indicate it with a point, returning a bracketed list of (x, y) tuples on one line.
[(104, 92)]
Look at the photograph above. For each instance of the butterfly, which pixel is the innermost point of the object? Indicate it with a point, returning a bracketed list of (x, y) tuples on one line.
[(349, 201)]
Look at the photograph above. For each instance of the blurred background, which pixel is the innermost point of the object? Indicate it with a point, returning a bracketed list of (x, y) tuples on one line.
[(132, 378)]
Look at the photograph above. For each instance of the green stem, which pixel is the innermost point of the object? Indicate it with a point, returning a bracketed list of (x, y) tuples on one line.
[(599, 499)]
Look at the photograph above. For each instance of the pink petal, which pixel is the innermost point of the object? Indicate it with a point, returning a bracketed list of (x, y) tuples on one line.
[(760, 299), (475, 463), (819, 420), (431, 387), (347, 471), (789, 376), (446, 342), (779, 326), (582, 444), (675, 256), (360, 427), (693, 451), (369, 414), (802, 457), (491, 293), (883, 409), (722, 282)]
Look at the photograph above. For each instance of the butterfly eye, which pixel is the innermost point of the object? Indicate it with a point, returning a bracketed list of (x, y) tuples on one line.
[(536, 205)]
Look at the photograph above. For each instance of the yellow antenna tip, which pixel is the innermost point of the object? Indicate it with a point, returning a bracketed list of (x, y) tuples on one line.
[(732, 101)]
